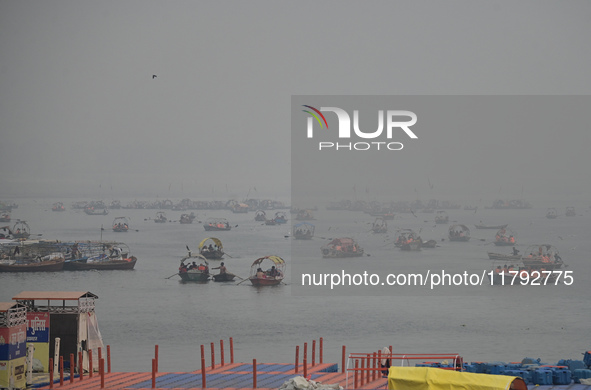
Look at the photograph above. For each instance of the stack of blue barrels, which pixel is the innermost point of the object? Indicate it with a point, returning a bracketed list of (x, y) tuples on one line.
[(532, 371)]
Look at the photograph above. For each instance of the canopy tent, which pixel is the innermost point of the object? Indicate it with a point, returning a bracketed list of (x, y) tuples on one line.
[(428, 378)]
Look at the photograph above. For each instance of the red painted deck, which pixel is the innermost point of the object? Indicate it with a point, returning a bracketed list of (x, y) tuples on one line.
[(229, 377)]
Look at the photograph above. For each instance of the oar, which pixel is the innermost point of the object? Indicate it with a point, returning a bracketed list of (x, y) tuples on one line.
[(243, 280), (231, 257), (172, 275)]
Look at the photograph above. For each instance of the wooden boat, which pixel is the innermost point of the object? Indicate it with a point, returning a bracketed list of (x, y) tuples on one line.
[(272, 276), (194, 272), (543, 256), (217, 224), (5, 217), (95, 211), (551, 213), (187, 218), (58, 206), (342, 247), (379, 225), (280, 218), (106, 264), (97, 255), (211, 252), (441, 217), (55, 264), (260, 216), (240, 208), (160, 217), (570, 212), (226, 277), (303, 231), (21, 230), (459, 232), (505, 237), (408, 240), (498, 227), (429, 244), (501, 256), (121, 224)]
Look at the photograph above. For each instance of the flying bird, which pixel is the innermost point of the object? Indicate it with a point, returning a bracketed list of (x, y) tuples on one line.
[(154, 76)]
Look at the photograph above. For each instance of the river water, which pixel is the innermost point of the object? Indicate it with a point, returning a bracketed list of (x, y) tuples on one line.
[(140, 308)]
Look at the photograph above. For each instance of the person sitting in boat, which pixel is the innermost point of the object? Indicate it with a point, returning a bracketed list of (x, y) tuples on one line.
[(115, 251), (222, 268), (272, 272), (210, 248), (260, 274), (498, 270), (183, 268), (192, 266), (201, 267)]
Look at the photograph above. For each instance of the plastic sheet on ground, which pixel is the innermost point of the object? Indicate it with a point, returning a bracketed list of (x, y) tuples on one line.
[(301, 383)]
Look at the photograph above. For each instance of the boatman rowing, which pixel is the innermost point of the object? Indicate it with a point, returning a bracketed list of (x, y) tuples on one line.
[(222, 268)]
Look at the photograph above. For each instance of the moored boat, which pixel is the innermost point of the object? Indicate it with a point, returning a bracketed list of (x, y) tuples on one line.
[(305, 215), (459, 232), (97, 255), (342, 247), (95, 211), (551, 213), (501, 256), (497, 227), (53, 264), (570, 212), (5, 217), (272, 276)]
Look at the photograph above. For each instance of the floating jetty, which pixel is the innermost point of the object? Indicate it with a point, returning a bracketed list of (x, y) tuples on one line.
[(357, 371)]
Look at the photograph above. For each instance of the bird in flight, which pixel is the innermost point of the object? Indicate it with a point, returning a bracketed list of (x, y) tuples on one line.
[(154, 76)]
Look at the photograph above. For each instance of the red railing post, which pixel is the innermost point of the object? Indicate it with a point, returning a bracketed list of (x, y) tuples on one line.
[(102, 372), (231, 350), (212, 356), (51, 373), (379, 363), (80, 365), (90, 368), (356, 373), (61, 370), (374, 366), (297, 361), (368, 358), (254, 373), (343, 364), (156, 356), (153, 373), (203, 383), (305, 365), (320, 351), (72, 365), (222, 353), (100, 353), (362, 371), (108, 359), (313, 353)]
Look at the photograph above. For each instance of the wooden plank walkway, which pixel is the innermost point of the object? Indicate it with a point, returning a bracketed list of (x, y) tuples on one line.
[(229, 377)]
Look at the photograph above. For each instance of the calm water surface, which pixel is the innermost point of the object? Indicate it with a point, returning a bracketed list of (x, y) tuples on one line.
[(140, 308)]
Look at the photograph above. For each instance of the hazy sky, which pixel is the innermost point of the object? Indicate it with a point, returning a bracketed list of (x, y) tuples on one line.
[(79, 108)]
